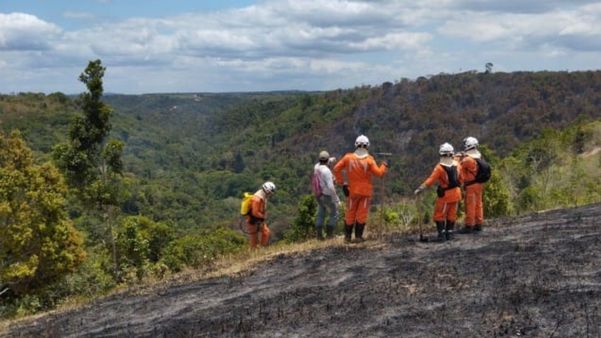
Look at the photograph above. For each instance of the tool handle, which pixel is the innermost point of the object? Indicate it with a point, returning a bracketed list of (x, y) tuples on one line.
[(418, 205)]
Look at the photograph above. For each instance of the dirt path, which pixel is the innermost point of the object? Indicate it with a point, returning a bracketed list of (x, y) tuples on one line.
[(538, 275)]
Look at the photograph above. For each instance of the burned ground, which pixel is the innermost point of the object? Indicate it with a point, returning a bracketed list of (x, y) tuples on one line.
[(537, 275)]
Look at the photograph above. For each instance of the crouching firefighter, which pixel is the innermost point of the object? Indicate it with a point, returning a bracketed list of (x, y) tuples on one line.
[(360, 167), (255, 219), (446, 174)]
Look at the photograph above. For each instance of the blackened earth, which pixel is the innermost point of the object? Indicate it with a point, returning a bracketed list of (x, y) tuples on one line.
[(535, 276)]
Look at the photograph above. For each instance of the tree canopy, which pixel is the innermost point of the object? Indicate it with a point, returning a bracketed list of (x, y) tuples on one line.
[(38, 243)]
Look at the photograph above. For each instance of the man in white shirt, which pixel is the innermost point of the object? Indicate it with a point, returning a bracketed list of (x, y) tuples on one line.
[(328, 199)]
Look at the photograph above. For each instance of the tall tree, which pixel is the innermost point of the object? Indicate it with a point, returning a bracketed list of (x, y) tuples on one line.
[(38, 243), (488, 66), (82, 159), (92, 165)]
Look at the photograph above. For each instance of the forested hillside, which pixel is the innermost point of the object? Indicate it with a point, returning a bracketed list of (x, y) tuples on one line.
[(188, 157), (276, 137), (193, 154)]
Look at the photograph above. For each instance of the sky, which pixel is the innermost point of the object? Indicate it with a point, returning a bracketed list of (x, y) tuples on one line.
[(156, 46)]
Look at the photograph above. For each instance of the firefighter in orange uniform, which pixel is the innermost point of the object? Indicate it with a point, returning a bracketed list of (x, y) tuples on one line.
[(359, 167), (474, 213), (255, 220), (446, 174)]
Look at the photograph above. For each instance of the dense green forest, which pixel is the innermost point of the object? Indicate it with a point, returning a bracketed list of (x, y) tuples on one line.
[(186, 158)]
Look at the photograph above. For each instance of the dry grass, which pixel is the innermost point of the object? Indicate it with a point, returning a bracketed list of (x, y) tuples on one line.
[(231, 265), (247, 260)]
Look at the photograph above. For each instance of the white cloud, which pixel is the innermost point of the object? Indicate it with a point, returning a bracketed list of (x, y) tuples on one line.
[(390, 41), (217, 41), (272, 29), (290, 44), (336, 66), (578, 29), (330, 12), (516, 6), (20, 31)]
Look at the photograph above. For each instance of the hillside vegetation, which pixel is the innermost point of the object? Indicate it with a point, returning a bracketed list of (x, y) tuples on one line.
[(276, 137), (188, 157)]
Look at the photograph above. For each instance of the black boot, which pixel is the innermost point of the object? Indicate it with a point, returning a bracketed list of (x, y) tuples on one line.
[(467, 229), (319, 231), (348, 232), (329, 232), (440, 229), (450, 226), (477, 227), (359, 232)]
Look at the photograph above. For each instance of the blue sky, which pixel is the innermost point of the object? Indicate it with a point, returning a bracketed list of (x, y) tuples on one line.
[(222, 46)]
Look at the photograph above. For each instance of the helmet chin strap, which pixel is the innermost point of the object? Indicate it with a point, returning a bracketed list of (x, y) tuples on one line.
[(361, 152)]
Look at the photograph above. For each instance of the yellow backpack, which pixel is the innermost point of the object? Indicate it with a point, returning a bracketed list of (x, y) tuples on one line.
[(246, 203)]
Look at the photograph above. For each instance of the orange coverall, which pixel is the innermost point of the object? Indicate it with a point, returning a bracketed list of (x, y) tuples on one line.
[(255, 221), (474, 214), (359, 172), (446, 206)]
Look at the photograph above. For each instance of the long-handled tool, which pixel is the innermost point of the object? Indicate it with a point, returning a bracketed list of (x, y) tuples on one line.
[(418, 203)]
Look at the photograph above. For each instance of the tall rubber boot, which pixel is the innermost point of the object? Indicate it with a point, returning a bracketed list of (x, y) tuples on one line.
[(319, 233), (440, 229), (477, 228), (450, 226), (329, 232), (348, 232), (467, 229), (359, 232)]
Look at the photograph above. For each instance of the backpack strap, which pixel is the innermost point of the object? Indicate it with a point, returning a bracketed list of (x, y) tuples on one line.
[(448, 188)]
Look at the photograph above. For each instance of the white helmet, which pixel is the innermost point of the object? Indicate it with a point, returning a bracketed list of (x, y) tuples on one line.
[(268, 187), (446, 149), (362, 140), (469, 143)]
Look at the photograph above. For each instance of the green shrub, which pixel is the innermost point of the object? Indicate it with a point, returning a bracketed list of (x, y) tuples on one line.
[(93, 277), (496, 199), (200, 250), (304, 223), (140, 241)]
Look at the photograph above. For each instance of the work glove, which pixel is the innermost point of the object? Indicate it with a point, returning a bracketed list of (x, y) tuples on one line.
[(345, 190), (385, 162), (419, 189)]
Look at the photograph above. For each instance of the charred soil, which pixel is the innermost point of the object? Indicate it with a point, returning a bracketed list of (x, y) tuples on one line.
[(537, 276)]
